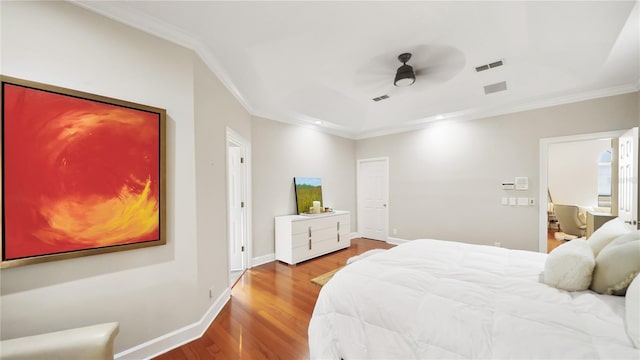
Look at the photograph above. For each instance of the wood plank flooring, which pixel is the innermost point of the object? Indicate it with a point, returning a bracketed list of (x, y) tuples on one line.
[(552, 243), (269, 311)]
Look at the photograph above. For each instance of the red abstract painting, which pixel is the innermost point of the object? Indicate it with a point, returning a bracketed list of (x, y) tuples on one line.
[(77, 173)]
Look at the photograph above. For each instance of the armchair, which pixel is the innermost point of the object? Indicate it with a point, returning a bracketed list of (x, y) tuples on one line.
[(569, 219), (91, 342)]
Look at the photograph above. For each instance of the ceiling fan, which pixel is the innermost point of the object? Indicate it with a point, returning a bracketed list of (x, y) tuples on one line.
[(431, 65), (405, 75)]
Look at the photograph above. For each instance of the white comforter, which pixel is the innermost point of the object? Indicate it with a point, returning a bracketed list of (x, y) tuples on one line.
[(438, 299)]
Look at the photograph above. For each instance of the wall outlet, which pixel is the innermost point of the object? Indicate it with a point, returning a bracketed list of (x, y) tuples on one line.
[(497, 244), (394, 231)]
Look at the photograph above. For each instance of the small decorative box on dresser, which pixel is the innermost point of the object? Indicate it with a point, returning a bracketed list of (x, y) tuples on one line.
[(300, 238)]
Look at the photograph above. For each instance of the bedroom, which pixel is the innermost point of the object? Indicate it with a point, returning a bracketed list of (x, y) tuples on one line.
[(84, 50)]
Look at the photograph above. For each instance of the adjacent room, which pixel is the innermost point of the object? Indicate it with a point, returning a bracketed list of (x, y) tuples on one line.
[(404, 164)]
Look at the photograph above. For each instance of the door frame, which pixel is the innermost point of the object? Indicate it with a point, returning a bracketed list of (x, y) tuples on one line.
[(359, 203), (544, 160), (236, 140)]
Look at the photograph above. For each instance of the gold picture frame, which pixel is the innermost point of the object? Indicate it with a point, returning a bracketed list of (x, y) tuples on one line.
[(82, 174)]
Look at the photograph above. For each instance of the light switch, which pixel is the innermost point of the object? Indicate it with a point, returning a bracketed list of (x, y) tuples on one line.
[(523, 201), (505, 200), (512, 201)]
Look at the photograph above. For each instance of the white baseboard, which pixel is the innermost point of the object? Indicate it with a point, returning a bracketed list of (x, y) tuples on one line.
[(263, 259), (355, 235), (172, 340), (396, 241)]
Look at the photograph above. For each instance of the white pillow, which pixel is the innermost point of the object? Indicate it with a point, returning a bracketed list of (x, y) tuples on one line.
[(617, 265), (569, 266), (632, 308), (606, 233)]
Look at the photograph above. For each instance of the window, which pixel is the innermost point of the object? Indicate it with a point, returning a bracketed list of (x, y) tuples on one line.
[(604, 179)]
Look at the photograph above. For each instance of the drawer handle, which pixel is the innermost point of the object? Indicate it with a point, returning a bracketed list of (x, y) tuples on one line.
[(338, 225), (338, 237), (309, 231), (309, 244)]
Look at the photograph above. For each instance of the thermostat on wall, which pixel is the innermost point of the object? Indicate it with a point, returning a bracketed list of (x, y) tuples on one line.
[(522, 183)]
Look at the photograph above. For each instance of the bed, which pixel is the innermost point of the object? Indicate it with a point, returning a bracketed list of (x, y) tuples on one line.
[(439, 299)]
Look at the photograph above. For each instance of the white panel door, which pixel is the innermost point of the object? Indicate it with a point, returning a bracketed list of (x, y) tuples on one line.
[(373, 194), (236, 207), (628, 178)]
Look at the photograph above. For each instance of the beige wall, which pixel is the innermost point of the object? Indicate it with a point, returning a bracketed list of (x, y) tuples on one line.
[(151, 291), (215, 109), (282, 151), (445, 180)]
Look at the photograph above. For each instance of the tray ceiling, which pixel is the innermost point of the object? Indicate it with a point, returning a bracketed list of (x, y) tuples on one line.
[(325, 62)]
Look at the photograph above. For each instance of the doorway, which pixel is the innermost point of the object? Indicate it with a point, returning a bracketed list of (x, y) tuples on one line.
[(545, 143), (373, 198), (238, 205)]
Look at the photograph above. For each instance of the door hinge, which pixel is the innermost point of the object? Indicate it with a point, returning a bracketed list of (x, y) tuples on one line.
[(242, 248), (241, 160), (242, 204)]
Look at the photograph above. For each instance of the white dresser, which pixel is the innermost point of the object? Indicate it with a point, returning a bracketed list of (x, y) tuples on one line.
[(300, 238)]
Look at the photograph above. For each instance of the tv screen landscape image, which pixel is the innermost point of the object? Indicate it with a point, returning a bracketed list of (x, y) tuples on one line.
[(308, 190)]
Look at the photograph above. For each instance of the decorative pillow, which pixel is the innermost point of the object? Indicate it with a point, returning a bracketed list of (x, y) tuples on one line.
[(632, 308), (569, 266), (617, 265), (606, 233)]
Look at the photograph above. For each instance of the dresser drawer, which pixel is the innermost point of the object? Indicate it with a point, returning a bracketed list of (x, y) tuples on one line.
[(322, 222)]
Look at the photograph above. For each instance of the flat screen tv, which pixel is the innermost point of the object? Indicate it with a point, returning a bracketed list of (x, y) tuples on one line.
[(308, 190)]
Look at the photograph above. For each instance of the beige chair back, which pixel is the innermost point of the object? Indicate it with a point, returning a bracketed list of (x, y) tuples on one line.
[(570, 222)]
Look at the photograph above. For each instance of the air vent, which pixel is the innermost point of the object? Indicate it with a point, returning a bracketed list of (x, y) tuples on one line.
[(492, 65), (490, 89), (379, 98), (496, 64)]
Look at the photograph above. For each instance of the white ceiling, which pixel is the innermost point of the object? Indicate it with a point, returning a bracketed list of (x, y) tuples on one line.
[(303, 62)]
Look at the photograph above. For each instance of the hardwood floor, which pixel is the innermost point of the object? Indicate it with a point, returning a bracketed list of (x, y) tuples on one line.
[(552, 243), (269, 311)]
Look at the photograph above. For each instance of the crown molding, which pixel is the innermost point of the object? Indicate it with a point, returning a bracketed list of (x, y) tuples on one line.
[(136, 19), (481, 113)]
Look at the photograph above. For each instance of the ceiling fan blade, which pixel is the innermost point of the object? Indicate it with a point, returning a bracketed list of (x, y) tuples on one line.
[(438, 73), (380, 68), (439, 63), (370, 77)]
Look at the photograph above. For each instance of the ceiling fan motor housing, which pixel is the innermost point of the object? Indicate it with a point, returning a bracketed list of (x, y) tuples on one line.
[(404, 57)]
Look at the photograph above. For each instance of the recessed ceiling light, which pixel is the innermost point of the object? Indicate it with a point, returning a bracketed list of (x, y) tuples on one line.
[(439, 117), (318, 122)]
